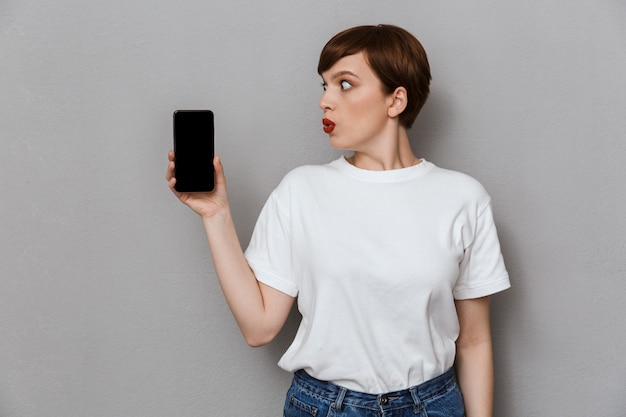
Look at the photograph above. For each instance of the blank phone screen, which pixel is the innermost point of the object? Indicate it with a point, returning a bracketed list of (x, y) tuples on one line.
[(193, 149)]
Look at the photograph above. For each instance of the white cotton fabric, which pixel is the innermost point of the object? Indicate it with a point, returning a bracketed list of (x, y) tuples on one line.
[(376, 259)]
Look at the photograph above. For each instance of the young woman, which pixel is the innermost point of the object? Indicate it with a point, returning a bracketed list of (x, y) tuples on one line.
[(391, 258)]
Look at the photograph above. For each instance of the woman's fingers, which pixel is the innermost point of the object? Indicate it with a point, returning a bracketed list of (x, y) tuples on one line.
[(169, 173), (220, 179)]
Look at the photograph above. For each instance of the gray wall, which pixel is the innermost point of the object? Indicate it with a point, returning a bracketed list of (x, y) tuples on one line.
[(109, 305)]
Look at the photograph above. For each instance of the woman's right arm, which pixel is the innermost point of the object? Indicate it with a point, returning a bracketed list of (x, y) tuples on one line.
[(260, 310)]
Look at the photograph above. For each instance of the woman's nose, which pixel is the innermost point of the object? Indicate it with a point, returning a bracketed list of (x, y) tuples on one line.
[(325, 101)]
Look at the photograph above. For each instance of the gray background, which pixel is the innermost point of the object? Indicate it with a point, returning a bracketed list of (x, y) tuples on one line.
[(108, 301)]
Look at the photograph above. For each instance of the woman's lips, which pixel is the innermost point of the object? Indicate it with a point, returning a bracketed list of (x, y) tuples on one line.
[(328, 124)]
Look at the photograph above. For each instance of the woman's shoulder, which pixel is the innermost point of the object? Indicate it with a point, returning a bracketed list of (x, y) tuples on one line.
[(447, 174), (458, 183), (301, 180), (307, 173)]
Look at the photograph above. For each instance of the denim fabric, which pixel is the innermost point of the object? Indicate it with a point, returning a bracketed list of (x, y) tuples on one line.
[(438, 397)]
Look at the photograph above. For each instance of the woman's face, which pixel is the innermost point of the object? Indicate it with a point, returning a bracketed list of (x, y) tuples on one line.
[(355, 107)]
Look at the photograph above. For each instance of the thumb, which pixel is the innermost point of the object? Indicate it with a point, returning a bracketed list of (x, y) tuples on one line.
[(220, 179)]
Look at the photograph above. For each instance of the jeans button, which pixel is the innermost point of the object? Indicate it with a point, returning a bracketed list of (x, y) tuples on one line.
[(384, 400)]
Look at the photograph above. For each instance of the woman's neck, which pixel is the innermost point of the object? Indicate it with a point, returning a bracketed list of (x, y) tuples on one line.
[(395, 153)]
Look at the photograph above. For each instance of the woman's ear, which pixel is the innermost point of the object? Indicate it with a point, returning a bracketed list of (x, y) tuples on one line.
[(398, 102)]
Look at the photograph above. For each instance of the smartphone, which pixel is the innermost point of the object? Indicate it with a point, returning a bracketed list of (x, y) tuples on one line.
[(193, 150)]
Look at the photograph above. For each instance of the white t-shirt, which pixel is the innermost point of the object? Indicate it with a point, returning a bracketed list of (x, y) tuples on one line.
[(377, 259)]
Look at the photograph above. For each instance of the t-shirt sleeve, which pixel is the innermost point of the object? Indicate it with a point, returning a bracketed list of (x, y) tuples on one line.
[(481, 270), (269, 251)]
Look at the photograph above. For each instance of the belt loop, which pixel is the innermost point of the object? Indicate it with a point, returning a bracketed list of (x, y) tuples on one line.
[(416, 398), (340, 397)]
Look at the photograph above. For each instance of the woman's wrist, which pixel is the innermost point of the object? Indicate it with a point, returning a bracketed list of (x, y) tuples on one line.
[(219, 216)]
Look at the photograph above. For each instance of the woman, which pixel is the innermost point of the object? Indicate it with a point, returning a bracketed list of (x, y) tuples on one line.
[(391, 258)]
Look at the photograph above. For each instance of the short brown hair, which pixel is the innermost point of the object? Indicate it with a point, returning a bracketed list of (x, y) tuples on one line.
[(395, 56)]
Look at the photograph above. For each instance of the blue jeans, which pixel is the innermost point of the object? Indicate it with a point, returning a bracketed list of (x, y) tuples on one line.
[(438, 397)]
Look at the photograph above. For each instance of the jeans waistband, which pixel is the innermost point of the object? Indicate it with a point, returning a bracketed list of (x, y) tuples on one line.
[(340, 395)]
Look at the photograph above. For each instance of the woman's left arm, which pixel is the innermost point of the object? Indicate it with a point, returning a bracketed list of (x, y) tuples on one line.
[(474, 357)]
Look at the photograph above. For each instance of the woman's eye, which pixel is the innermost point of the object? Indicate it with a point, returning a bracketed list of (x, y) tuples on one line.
[(324, 86), (345, 85)]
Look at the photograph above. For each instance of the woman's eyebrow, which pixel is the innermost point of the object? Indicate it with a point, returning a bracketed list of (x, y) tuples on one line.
[(342, 73)]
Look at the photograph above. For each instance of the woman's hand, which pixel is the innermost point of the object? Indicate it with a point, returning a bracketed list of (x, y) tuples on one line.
[(206, 204)]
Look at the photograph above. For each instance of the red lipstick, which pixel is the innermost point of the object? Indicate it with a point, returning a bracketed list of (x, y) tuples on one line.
[(329, 125)]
